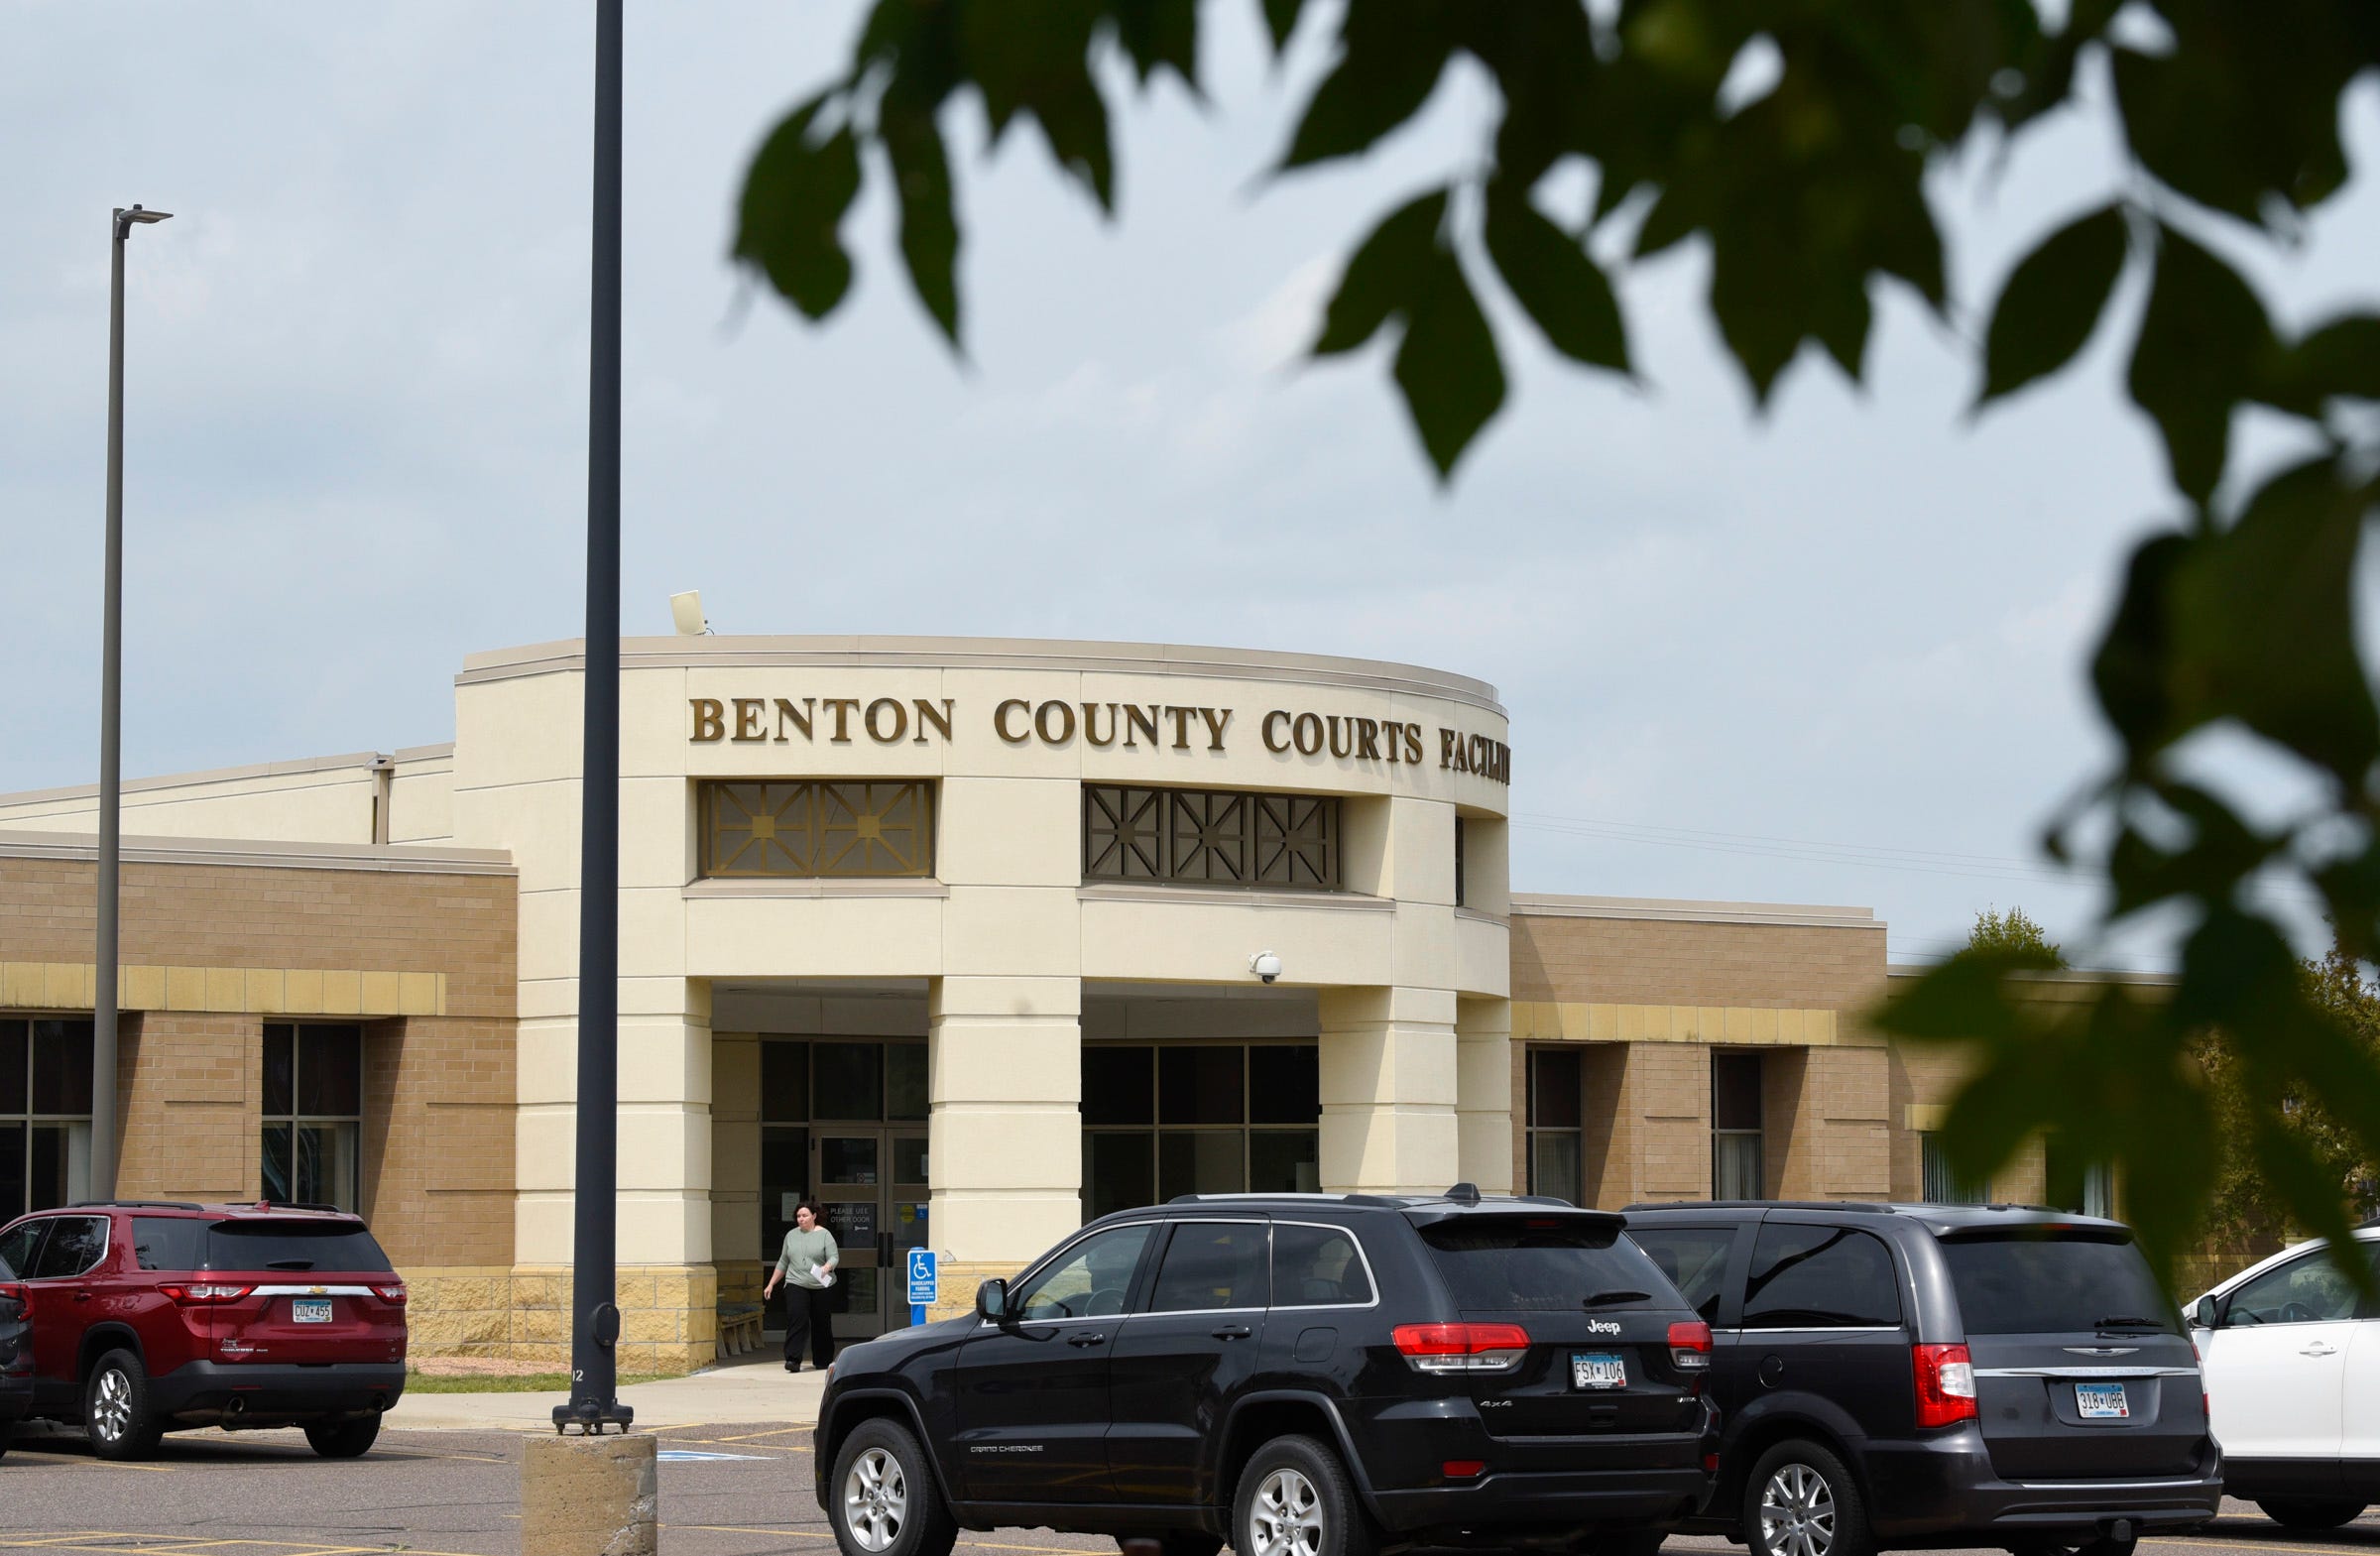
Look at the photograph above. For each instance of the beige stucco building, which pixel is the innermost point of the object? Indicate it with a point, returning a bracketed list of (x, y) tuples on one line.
[(957, 936)]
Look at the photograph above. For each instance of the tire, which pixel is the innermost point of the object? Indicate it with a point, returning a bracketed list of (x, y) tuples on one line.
[(2309, 1515), (348, 1439), (1294, 1500), (115, 1409), (1815, 1508), (884, 1501)]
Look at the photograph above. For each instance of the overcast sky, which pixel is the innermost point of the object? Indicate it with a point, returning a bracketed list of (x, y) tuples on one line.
[(358, 406)]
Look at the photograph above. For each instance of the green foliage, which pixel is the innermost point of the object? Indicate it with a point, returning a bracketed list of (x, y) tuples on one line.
[(2016, 938), (2237, 615)]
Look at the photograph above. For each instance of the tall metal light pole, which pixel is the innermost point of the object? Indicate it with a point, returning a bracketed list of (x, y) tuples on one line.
[(595, 1319), (111, 667)]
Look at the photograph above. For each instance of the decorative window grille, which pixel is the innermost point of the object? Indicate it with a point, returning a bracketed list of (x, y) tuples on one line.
[(817, 830), (1210, 837), (1939, 1184)]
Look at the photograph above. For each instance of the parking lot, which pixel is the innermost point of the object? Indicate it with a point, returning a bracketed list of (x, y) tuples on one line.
[(727, 1490)]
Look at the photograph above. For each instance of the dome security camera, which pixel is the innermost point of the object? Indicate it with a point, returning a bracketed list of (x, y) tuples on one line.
[(1264, 965)]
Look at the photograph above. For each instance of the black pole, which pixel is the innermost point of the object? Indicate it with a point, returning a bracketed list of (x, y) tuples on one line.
[(595, 1320)]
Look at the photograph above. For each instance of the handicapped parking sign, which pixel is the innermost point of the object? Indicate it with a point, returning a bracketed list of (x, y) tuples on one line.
[(925, 1282)]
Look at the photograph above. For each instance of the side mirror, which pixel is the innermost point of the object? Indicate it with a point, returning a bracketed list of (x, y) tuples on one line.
[(991, 1301), (2208, 1314)]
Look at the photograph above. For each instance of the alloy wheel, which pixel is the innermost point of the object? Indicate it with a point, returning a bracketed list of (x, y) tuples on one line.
[(1285, 1517), (876, 1500), (111, 1404), (1797, 1512)]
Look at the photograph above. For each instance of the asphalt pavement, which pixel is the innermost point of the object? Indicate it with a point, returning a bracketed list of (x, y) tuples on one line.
[(727, 1490)]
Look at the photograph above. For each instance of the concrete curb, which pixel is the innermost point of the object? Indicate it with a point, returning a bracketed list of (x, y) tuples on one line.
[(741, 1391)]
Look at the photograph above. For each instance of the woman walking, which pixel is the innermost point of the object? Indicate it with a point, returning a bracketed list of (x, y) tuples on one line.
[(806, 1265)]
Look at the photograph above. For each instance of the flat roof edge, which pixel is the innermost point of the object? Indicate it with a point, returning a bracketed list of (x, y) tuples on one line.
[(294, 766), (1534, 904), (1034, 653), (402, 858), (2063, 977)]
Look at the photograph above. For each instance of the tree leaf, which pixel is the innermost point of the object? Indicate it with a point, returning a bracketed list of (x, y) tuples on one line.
[(929, 230), (2340, 360), (1556, 280), (2051, 301), (1391, 53), (1448, 365), (795, 194), (2130, 671), (2203, 341), (1382, 274)]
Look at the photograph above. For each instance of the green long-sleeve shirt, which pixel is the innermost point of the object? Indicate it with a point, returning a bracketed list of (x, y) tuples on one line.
[(801, 1251)]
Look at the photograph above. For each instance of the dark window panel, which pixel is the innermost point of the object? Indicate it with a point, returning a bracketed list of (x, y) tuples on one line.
[(1736, 1091), (169, 1243), (280, 1072), (279, 1179), (61, 1067), (1314, 1266), (1553, 1089), (905, 1080), (1203, 1085), (1119, 1085), (1806, 1277), (1284, 1162), (1120, 1172), (1284, 1083), (784, 1082), (12, 1171), (1201, 1161), (1213, 1265), (330, 1071), (850, 1079), (14, 1056)]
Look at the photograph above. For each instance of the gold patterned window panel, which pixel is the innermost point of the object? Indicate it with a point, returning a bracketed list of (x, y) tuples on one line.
[(817, 830), (1210, 837)]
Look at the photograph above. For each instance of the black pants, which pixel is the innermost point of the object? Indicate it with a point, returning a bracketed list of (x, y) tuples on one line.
[(810, 1318)]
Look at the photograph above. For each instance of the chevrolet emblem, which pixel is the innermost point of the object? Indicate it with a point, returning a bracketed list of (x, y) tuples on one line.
[(318, 1290)]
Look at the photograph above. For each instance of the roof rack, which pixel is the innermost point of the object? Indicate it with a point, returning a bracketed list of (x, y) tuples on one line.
[(1765, 1204), (134, 1204), (292, 1204)]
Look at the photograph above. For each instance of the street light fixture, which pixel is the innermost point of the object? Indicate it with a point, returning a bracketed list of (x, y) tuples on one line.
[(111, 663)]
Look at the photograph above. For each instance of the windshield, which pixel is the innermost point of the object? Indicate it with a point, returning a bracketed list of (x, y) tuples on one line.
[(1541, 1264), (2055, 1284), (341, 1247)]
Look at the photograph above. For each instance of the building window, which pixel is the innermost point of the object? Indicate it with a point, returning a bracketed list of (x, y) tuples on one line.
[(816, 830), (44, 1113), (1168, 1118), (1936, 1183), (1736, 1170), (1461, 883), (1210, 837), (313, 1115), (2076, 1181), (1556, 1145)]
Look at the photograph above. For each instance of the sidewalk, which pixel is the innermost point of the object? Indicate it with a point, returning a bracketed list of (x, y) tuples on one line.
[(754, 1388)]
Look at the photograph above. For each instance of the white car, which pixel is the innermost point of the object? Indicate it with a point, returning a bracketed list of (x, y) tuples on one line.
[(2292, 1361)]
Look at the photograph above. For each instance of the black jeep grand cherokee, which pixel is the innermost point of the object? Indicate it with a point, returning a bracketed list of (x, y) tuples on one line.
[(1302, 1375)]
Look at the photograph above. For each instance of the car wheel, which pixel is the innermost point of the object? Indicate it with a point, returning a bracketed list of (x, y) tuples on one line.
[(115, 1409), (2309, 1514), (1800, 1500), (884, 1501), (348, 1439), (1294, 1500)]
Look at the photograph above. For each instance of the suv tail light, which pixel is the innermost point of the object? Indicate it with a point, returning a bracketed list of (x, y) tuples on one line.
[(394, 1295), (11, 1292), (201, 1291), (1461, 1348), (1690, 1345), (1946, 1386)]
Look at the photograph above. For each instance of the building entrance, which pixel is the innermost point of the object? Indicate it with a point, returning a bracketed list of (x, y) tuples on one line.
[(871, 1183)]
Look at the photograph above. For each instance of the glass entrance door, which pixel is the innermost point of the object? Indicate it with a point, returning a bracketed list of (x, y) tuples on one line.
[(872, 1186)]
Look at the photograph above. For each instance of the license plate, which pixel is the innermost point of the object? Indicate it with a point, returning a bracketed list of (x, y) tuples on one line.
[(310, 1310), (1598, 1369), (2101, 1401)]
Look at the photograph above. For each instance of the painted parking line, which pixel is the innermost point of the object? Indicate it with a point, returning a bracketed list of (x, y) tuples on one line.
[(700, 1456)]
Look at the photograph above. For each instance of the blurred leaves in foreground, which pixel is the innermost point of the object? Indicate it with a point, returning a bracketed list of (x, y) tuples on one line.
[(1809, 193)]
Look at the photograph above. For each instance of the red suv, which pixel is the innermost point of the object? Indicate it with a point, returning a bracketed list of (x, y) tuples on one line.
[(151, 1317)]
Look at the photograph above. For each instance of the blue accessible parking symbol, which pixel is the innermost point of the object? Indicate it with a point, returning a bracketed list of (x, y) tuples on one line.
[(925, 1282)]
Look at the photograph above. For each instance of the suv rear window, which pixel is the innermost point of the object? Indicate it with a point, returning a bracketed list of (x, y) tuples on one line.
[(170, 1242), (1541, 1263), (338, 1246), (2055, 1284)]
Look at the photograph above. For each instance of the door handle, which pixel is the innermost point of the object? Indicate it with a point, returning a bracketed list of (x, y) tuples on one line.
[(2317, 1349), (1086, 1338), (1233, 1332), (82, 1296)]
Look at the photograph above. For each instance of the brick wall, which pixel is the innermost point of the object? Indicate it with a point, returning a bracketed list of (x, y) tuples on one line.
[(1643, 961)]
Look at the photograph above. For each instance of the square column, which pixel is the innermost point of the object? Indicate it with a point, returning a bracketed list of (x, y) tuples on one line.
[(1389, 1091), (1004, 1121), (1484, 1124)]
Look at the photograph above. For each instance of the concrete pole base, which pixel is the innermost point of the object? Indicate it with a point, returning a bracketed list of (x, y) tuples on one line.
[(591, 1495)]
